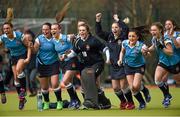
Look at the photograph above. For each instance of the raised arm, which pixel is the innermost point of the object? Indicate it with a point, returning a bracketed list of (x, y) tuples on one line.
[(98, 28)]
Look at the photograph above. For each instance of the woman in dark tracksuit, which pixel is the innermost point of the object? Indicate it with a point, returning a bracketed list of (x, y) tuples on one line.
[(92, 64), (114, 38)]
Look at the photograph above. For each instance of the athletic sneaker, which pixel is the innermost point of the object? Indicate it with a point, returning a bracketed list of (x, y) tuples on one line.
[(59, 105), (105, 103), (22, 102), (3, 98), (130, 106), (167, 101), (74, 104), (46, 105), (123, 105), (89, 104), (142, 106)]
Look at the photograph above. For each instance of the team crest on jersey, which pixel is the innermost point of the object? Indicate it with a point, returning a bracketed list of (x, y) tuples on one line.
[(62, 42), (87, 47), (119, 42)]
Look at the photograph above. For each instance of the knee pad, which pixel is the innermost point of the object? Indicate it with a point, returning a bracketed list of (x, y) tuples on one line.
[(21, 75)]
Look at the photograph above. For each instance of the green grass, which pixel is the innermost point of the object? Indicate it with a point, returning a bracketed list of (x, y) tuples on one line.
[(154, 108)]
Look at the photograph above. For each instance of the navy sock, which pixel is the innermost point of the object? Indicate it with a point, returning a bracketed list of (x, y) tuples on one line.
[(58, 94), (120, 95), (139, 97)]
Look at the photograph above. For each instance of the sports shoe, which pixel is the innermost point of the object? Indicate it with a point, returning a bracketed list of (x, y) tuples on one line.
[(74, 104), (59, 105), (130, 106), (123, 105), (142, 106), (89, 104), (167, 101), (3, 98), (105, 104), (147, 96), (22, 102), (46, 105)]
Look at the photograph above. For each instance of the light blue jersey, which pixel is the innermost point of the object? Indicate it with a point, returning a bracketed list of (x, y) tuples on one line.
[(133, 56), (46, 54), (176, 35), (15, 45), (62, 45), (164, 58)]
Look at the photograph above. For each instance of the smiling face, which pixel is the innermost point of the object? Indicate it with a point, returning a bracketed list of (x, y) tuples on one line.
[(168, 25), (133, 38), (83, 31), (46, 30), (7, 29), (55, 30), (116, 30), (155, 31)]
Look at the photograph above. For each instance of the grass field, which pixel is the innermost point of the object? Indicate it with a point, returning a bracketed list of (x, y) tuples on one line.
[(154, 108)]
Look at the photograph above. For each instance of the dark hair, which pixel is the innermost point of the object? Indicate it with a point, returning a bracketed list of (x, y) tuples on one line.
[(59, 25), (116, 23), (176, 27), (8, 23), (138, 33), (48, 24), (29, 32), (172, 21)]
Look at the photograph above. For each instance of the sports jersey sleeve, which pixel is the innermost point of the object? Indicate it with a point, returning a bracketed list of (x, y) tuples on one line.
[(124, 44), (22, 37), (178, 36), (167, 40), (68, 39), (37, 40), (99, 31)]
